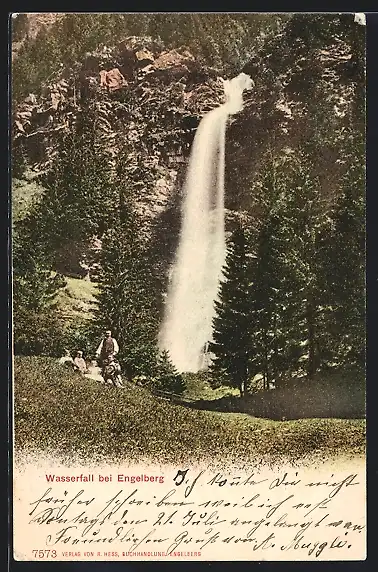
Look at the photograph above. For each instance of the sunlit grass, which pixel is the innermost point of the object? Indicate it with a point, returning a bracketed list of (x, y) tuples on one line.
[(58, 410), (77, 299)]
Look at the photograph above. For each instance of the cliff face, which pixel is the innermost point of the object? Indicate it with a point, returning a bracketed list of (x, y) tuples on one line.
[(147, 103)]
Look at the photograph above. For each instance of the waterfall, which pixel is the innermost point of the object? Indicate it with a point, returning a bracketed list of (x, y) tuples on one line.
[(194, 284)]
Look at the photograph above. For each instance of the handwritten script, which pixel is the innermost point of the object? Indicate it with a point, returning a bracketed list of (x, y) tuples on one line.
[(196, 514)]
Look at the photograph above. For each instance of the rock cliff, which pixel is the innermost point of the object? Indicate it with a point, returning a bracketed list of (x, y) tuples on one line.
[(148, 102)]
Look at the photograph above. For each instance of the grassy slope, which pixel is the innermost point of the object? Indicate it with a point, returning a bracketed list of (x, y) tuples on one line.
[(58, 410), (76, 300), (24, 194)]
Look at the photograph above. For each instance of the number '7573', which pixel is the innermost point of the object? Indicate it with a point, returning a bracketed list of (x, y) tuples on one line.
[(44, 553)]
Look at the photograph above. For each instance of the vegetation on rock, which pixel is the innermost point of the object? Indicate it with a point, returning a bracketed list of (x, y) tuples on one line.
[(105, 111)]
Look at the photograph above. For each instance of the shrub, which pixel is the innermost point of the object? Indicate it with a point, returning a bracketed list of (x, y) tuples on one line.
[(79, 336), (38, 333)]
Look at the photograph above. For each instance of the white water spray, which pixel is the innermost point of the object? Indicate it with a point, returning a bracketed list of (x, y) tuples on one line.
[(201, 253)]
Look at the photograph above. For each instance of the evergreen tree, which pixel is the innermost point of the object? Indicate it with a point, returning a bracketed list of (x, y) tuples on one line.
[(269, 301), (80, 200), (167, 377), (302, 222), (37, 328), (126, 299), (232, 323), (288, 281), (269, 297), (344, 264)]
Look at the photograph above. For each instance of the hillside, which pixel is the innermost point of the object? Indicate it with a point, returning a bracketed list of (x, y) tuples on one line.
[(25, 193), (77, 299), (62, 413)]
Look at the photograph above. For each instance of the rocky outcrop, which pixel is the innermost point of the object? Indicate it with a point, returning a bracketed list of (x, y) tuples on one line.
[(147, 103), (136, 71), (112, 79)]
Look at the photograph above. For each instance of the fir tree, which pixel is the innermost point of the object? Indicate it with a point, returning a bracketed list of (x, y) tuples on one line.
[(80, 201), (37, 328), (167, 377), (269, 297), (302, 224), (232, 323), (288, 292), (344, 265), (269, 304), (126, 299)]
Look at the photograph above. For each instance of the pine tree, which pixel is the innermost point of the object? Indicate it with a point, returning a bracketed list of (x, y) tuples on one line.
[(126, 298), (269, 304), (232, 323), (288, 290), (302, 223), (80, 200), (269, 298), (344, 263), (167, 377), (37, 328)]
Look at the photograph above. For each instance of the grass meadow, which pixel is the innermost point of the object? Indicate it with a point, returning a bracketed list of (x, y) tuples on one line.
[(60, 412)]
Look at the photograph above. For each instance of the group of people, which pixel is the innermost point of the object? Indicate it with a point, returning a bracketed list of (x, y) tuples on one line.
[(78, 363), (106, 353)]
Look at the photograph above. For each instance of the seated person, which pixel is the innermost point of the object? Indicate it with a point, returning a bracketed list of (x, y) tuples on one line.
[(79, 363), (66, 359)]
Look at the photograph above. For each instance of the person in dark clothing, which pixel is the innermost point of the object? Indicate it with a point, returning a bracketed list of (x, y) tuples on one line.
[(106, 353), (108, 346)]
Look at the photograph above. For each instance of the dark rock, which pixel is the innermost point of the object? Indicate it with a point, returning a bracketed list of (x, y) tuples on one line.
[(128, 62), (190, 122)]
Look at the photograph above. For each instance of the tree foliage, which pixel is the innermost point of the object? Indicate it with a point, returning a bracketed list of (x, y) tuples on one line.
[(37, 327), (292, 299), (167, 378), (126, 299), (223, 40), (233, 321), (344, 263)]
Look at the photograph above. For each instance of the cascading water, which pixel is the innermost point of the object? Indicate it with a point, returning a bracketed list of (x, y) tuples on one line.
[(193, 288)]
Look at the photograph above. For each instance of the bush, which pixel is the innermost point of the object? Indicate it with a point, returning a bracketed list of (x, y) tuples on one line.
[(79, 336), (38, 333)]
